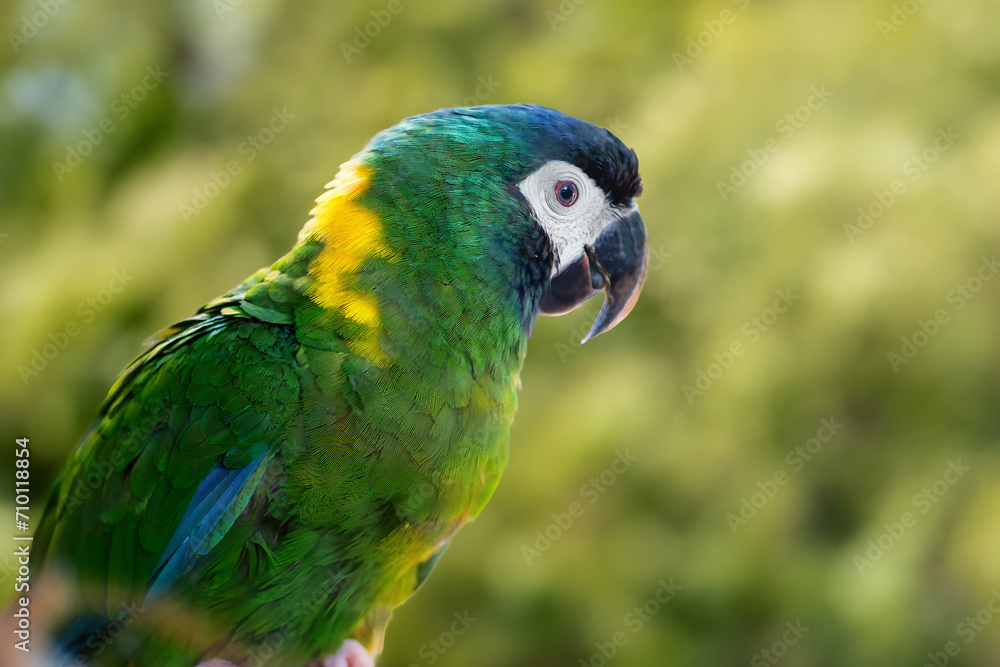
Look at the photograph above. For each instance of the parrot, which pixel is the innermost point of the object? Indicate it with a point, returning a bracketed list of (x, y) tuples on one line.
[(277, 472)]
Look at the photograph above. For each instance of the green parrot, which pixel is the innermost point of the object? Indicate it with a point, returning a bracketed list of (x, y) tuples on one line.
[(279, 471)]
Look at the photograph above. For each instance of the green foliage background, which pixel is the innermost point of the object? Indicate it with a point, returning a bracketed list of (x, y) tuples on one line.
[(229, 66)]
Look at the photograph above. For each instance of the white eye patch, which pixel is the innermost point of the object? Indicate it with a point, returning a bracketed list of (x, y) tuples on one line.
[(571, 222)]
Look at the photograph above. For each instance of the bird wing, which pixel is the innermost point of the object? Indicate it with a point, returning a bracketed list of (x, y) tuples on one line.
[(181, 442)]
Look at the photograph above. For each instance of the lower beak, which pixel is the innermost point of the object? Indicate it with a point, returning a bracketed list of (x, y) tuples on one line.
[(614, 264)]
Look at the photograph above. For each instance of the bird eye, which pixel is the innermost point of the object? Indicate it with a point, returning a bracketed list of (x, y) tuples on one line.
[(566, 192)]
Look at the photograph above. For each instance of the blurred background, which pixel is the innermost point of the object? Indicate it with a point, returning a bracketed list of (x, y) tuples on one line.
[(786, 454)]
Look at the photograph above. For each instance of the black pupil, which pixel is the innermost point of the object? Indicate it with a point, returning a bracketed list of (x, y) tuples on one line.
[(566, 193)]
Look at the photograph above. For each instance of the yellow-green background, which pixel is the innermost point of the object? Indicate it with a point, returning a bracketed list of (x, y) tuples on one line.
[(612, 63)]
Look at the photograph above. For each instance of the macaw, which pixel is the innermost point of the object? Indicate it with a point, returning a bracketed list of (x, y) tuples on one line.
[(276, 473)]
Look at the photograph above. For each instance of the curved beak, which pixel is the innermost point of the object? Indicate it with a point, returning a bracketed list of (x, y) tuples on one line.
[(614, 264)]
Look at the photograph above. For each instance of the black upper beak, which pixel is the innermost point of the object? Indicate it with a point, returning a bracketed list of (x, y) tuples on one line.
[(616, 264)]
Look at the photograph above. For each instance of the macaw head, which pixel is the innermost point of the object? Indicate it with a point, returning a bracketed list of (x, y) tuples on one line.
[(517, 200), (580, 189)]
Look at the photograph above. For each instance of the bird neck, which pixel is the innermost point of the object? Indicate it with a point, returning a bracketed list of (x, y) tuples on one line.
[(392, 279)]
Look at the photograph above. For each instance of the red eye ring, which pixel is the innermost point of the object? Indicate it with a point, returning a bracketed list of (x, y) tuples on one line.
[(566, 192)]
